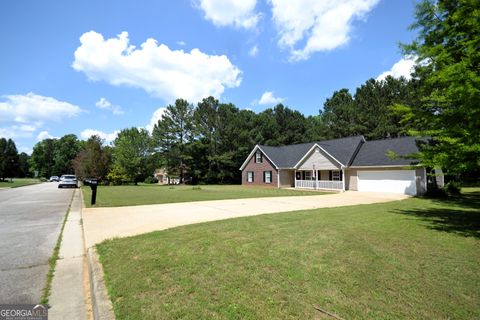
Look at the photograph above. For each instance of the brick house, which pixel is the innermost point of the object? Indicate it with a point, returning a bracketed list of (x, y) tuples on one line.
[(341, 164)]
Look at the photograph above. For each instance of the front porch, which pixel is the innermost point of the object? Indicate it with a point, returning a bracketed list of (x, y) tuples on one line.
[(319, 179)]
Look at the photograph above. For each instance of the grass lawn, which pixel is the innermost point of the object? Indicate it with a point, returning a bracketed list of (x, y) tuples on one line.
[(411, 259), (18, 182), (117, 196)]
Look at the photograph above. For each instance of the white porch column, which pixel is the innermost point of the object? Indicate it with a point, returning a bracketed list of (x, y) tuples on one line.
[(343, 178), (278, 179), (295, 176)]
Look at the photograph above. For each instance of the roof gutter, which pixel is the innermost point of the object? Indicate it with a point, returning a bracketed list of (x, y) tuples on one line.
[(386, 166)]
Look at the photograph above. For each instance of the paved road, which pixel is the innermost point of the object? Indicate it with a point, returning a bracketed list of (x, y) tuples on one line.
[(30, 221)]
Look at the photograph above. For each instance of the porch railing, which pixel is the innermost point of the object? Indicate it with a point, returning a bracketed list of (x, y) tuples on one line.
[(320, 184)]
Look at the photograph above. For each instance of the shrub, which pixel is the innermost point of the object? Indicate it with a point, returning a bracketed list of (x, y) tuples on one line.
[(151, 179), (452, 188), (116, 175), (435, 192)]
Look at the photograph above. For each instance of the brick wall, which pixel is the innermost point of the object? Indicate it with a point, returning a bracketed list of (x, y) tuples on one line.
[(258, 169)]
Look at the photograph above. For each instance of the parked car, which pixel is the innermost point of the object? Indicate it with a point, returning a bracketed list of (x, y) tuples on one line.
[(68, 180), (54, 178)]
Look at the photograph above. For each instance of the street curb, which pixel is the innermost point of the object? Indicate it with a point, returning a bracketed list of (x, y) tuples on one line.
[(102, 307), (101, 304)]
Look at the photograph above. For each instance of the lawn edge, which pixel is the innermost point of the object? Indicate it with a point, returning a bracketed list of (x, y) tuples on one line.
[(102, 306)]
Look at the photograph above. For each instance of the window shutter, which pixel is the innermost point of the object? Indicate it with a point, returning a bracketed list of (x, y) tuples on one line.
[(330, 175)]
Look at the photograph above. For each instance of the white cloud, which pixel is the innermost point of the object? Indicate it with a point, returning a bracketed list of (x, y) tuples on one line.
[(17, 131), (402, 68), (321, 25), (108, 137), (157, 115), (253, 51), (44, 135), (31, 108), (107, 105), (181, 43), (237, 13), (24, 114), (165, 73), (268, 98)]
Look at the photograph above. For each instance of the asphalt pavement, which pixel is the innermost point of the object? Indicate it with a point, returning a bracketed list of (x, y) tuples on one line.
[(30, 221)]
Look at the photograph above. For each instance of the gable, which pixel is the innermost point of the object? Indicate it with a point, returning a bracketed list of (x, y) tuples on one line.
[(251, 158), (319, 160), (266, 164)]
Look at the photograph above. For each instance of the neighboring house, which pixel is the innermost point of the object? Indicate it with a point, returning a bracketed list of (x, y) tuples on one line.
[(341, 164), (164, 178), (161, 176)]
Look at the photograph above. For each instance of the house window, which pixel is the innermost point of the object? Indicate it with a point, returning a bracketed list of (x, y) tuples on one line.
[(250, 176), (308, 175), (267, 176), (258, 157), (336, 176)]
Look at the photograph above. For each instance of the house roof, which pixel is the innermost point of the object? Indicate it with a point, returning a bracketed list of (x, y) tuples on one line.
[(288, 156), (375, 153), (351, 151)]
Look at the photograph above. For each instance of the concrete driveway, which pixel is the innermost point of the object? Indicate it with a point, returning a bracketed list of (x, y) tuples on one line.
[(104, 223)]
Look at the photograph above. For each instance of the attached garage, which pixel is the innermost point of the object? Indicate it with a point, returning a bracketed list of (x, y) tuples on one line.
[(392, 181)]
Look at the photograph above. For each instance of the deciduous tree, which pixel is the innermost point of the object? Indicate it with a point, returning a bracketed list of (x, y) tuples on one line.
[(131, 151), (448, 69)]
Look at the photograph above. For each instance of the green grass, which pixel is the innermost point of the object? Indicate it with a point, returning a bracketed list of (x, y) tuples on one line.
[(18, 182), (116, 196), (411, 259)]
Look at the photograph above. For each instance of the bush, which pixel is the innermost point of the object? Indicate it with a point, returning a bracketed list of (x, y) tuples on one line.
[(452, 188), (116, 175), (435, 192), (151, 179)]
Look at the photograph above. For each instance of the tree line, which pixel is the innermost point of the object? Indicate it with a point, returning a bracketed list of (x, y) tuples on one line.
[(208, 142)]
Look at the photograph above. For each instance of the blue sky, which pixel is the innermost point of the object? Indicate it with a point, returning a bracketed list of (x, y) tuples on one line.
[(100, 66)]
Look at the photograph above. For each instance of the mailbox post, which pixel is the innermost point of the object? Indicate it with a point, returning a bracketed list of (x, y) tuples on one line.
[(93, 183)]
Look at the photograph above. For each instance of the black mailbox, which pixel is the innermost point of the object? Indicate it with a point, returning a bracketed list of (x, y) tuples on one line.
[(93, 183)]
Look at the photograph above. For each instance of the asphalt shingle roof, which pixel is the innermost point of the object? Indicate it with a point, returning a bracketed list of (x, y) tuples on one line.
[(375, 153), (288, 156), (371, 153)]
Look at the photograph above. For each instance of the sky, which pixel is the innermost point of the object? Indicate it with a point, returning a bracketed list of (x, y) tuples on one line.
[(96, 67)]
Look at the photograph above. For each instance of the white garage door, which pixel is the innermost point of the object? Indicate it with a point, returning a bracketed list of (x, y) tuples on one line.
[(393, 181)]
